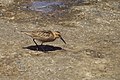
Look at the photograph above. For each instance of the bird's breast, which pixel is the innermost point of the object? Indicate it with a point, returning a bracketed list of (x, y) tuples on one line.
[(47, 40)]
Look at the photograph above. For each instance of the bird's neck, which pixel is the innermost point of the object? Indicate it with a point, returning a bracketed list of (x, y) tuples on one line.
[(54, 35)]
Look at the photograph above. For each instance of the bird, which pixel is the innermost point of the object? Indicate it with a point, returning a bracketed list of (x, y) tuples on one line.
[(43, 36)]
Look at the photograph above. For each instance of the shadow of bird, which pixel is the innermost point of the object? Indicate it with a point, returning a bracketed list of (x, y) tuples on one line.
[(45, 47), (43, 36)]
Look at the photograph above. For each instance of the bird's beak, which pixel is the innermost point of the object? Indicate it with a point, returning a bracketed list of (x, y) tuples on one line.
[(62, 39)]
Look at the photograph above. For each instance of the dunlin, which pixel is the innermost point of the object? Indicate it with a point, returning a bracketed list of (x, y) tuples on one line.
[(44, 36)]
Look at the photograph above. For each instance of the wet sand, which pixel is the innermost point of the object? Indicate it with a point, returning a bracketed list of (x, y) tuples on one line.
[(92, 52)]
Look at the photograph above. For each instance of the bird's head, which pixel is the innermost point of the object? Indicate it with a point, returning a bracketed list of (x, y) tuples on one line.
[(58, 35)]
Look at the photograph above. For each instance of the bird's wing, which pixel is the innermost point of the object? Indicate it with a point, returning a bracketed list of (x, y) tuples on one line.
[(41, 35)]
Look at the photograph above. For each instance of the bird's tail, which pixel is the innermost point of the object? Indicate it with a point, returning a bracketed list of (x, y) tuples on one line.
[(27, 32)]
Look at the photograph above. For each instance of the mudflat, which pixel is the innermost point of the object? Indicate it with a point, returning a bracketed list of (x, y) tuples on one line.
[(92, 33)]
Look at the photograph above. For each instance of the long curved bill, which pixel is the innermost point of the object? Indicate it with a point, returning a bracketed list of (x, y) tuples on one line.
[(62, 39)]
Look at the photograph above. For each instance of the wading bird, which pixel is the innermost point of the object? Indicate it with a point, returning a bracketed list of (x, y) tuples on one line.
[(44, 36)]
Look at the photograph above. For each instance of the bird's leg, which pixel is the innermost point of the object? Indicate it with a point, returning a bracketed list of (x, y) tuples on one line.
[(41, 43), (42, 47), (36, 44)]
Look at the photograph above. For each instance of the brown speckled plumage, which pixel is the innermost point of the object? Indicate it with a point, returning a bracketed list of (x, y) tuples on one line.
[(44, 36)]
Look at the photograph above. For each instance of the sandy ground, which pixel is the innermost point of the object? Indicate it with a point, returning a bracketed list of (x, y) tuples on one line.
[(92, 52)]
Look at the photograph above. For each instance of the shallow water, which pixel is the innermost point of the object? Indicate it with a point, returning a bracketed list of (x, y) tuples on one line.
[(36, 12), (44, 6)]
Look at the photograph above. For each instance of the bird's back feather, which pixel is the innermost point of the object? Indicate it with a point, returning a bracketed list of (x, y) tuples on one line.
[(44, 36)]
